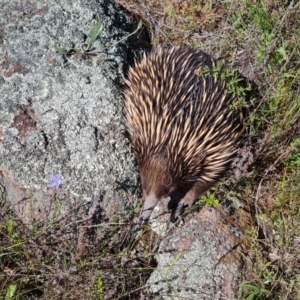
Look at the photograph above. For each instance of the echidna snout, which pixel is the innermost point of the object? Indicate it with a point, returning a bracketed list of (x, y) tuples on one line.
[(149, 204), (183, 195), (180, 124), (157, 184)]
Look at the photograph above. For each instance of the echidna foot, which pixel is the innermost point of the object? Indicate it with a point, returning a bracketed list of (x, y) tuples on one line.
[(181, 207), (143, 221)]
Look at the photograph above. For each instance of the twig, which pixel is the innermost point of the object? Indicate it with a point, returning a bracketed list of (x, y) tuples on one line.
[(155, 24)]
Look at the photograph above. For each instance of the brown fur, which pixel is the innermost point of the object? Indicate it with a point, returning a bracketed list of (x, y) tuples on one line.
[(156, 177)]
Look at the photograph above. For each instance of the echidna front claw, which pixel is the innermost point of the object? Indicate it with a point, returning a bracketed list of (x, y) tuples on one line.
[(181, 207), (144, 221)]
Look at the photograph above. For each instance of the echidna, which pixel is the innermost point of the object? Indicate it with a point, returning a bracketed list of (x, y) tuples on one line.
[(180, 124)]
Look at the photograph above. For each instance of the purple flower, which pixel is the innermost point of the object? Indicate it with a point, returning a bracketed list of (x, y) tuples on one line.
[(56, 181)]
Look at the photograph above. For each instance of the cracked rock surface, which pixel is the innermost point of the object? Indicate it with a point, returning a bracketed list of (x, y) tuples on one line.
[(200, 260)]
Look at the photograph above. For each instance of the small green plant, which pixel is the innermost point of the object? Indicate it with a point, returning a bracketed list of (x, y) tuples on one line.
[(294, 160), (12, 233), (210, 200), (11, 292), (252, 292), (10, 229), (98, 288), (232, 80), (87, 48)]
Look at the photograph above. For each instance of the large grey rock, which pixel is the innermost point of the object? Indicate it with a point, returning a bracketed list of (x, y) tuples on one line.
[(63, 115)]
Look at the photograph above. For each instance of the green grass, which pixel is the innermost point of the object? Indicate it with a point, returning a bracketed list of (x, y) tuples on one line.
[(210, 200)]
